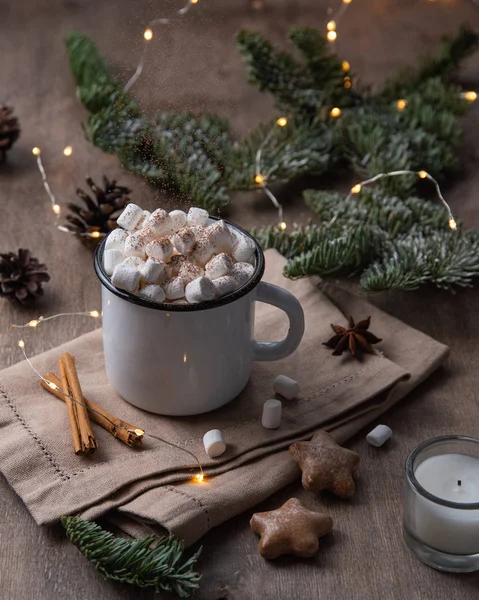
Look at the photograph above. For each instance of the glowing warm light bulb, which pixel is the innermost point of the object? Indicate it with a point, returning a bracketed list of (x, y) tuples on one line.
[(185, 358), (148, 34), (33, 323), (471, 96), (347, 1), (335, 112), (36, 151), (452, 224), (331, 35), (401, 104), (139, 432), (198, 478), (345, 66), (21, 344), (67, 151), (423, 174), (194, 1), (95, 234), (259, 178), (52, 385), (94, 313), (331, 26), (56, 209), (282, 121), (282, 226), (356, 188), (347, 82)]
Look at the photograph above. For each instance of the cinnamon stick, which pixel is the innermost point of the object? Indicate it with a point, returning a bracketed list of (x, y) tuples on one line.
[(72, 416), (125, 432), (70, 381)]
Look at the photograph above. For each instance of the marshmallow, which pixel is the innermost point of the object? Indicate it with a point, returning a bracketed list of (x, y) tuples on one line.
[(214, 443), (379, 435), (178, 219), (286, 387), (160, 222), (225, 285), (126, 278), (112, 258), (133, 262), (243, 249), (179, 301), (189, 272), (116, 240), (173, 266), (198, 230), (130, 217), (219, 265), (135, 245), (203, 249), (197, 216), (146, 233), (220, 236), (152, 292), (242, 273), (174, 288), (153, 271), (199, 290), (161, 249), (184, 239), (144, 218), (271, 418)]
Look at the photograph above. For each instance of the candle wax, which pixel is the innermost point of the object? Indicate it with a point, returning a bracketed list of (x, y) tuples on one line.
[(452, 477)]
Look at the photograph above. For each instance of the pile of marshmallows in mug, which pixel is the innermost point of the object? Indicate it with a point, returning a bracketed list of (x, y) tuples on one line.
[(176, 257)]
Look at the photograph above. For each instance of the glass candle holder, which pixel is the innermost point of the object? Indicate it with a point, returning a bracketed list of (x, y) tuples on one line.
[(441, 503)]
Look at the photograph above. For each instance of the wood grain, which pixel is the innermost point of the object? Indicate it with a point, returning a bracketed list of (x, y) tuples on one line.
[(195, 65)]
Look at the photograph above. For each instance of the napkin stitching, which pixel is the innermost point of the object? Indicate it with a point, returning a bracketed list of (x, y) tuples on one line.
[(37, 440), (196, 500)]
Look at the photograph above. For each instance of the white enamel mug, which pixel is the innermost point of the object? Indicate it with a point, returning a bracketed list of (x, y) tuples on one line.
[(180, 359)]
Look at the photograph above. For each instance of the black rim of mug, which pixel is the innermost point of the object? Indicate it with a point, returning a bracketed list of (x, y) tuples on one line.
[(168, 307)]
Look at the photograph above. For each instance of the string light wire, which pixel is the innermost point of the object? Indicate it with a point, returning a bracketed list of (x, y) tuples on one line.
[(422, 175), (334, 19), (36, 322), (198, 478)]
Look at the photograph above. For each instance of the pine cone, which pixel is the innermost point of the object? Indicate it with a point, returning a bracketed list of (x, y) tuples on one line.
[(21, 277), (100, 212), (9, 130)]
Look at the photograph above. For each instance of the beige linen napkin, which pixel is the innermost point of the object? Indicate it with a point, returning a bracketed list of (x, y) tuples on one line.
[(150, 488)]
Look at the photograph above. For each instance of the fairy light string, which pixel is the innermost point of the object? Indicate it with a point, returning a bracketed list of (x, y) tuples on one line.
[(36, 322), (198, 478)]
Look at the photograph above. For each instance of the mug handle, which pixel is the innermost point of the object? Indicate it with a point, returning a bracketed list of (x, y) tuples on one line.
[(277, 296)]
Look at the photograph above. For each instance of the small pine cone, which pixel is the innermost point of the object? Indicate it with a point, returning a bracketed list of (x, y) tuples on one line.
[(9, 130), (21, 277)]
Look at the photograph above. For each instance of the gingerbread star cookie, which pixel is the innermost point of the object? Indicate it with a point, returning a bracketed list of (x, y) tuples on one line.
[(291, 529), (326, 465)]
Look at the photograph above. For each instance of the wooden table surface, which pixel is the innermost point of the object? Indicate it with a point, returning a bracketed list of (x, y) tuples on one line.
[(194, 64)]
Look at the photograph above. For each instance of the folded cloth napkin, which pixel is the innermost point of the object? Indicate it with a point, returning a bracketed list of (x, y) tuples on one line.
[(150, 488)]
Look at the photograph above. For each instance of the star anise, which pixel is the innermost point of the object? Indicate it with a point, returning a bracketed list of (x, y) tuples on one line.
[(355, 336)]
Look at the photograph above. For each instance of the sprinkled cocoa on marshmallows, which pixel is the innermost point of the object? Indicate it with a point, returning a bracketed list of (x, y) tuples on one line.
[(177, 257)]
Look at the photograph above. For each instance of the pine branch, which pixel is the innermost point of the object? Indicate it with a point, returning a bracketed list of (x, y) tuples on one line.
[(161, 566)]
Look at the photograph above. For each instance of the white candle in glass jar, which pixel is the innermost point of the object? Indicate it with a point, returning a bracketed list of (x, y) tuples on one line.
[(453, 478)]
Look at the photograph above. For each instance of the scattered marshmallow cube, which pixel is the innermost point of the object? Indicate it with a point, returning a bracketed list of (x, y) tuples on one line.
[(271, 417), (133, 262), (203, 249), (189, 272), (184, 239), (379, 435), (178, 219), (242, 273), (197, 216), (219, 265), (126, 278), (130, 217), (135, 245), (199, 290), (286, 387), (160, 222), (243, 249), (225, 285), (174, 288), (153, 271), (161, 249), (220, 236), (116, 239), (112, 258), (214, 443), (152, 292)]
